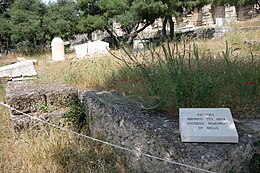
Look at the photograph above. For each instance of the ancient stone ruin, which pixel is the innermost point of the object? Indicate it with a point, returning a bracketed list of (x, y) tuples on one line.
[(19, 71), (127, 124), (49, 102)]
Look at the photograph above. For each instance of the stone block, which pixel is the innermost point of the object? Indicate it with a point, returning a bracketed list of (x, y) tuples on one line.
[(91, 48), (30, 97), (19, 69), (57, 48), (21, 59), (20, 123), (126, 124)]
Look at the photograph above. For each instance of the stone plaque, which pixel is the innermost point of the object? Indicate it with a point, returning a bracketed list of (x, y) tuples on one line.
[(207, 125)]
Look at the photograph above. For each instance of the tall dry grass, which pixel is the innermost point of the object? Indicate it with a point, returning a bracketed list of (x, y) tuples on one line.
[(49, 150), (88, 74), (168, 81)]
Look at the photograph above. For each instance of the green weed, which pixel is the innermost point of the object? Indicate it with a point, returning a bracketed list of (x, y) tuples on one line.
[(176, 77), (77, 114), (43, 108), (255, 163)]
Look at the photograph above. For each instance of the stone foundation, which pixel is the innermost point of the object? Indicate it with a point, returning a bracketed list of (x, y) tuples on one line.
[(45, 101), (126, 124)]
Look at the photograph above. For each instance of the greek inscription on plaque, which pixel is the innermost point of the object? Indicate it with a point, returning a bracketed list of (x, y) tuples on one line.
[(207, 125)]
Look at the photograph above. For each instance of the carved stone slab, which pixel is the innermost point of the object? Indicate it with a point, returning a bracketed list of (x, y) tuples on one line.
[(207, 125)]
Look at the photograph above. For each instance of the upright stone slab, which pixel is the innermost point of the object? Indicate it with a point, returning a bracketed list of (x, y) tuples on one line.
[(57, 47), (81, 50), (207, 125), (91, 49)]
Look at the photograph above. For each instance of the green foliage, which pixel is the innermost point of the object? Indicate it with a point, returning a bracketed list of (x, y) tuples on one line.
[(5, 6), (60, 19), (90, 23), (26, 19), (130, 13), (77, 114), (172, 79), (30, 24), (5, 34), (255, 164), (43, 108)]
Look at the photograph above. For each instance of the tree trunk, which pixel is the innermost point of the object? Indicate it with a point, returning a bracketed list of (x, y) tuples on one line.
[(164, 27), (89, 36), (131, 38), (135, 31), (166, 19), (171, 27), (115, 40)]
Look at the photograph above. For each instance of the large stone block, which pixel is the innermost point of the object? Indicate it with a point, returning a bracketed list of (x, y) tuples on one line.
[(30, 97), (127, 124), (24, 122)]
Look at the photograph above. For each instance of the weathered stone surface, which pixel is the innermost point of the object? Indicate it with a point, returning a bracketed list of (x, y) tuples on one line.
[(126, 124), (91, 48), (24, 122), (21, 59), (221, 32), (30, 97), (245, 12), (57, 48), (139, 45), (19, 69)]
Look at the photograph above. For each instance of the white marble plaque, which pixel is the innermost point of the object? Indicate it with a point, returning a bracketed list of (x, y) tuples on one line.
[(207, 125)]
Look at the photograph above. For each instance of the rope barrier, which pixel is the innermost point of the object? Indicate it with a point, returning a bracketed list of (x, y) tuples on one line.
[(107, 143)]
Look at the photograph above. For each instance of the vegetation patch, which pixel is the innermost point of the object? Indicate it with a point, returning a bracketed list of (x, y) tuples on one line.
[(77, 114), (186, 77)]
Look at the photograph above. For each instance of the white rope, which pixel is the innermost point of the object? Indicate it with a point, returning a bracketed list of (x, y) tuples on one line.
[(107, 143)]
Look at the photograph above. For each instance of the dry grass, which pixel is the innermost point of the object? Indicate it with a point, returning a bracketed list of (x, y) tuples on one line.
[(88, 74), (52, 151), (254, 22)]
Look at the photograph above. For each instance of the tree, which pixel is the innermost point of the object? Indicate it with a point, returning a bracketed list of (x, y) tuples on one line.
[(26, 20), (5, 6), (5, 34), (176, 8), (139, 15), (133, 15), (60, 20)]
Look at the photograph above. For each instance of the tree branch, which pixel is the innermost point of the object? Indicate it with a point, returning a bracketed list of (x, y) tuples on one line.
[(145, 26)]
